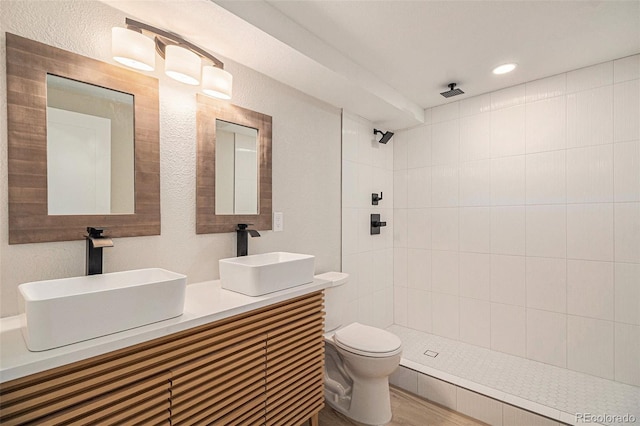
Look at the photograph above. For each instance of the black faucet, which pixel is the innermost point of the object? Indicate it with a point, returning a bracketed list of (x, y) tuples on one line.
[(95, 243), (243, 240)]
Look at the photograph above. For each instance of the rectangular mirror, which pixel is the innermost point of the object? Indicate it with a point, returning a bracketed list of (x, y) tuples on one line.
[(90, 149), (237, 169), (83, 146), (233, 183)]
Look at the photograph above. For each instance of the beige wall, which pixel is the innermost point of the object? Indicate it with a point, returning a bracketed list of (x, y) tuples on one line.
[(306, 164)]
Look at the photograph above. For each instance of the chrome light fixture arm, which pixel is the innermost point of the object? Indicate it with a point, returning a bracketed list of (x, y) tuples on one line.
[(164, 38)]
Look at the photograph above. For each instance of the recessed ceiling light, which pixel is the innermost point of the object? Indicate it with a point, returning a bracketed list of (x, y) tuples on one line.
[(505, 68)]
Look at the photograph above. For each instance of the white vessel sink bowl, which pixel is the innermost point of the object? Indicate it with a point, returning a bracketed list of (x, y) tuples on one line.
[(260, 274), (60, 312)]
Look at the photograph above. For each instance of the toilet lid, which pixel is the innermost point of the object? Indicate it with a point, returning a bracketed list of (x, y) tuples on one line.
[(365, 340)]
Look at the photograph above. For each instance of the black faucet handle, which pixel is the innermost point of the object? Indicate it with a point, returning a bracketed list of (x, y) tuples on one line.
[(244, 226), (94, 232)]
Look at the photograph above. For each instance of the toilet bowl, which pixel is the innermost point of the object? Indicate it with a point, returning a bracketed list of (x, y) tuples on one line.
[(358, 361)]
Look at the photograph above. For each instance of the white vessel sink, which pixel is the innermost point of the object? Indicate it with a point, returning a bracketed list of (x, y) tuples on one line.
[(260, 274), (60, 312)]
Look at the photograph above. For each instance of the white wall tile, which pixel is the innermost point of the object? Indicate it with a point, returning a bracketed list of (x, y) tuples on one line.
[(400, 267), (406, 379), (400, 150), (546, 282), (350, 266), (590, 77), (349, 139), (419, 147), (400, 188), (475, 137), (444, 228), (547, 337), (419, 310), (365, 314), (590, 289), (508, 181), (590, 346), (349, 231), (382, 156), (627, 293), (626, 111), (365, 274), (383, 270), (509, 97), (475, 183), (418, 188), (590, 117), (419, 228), (626, 171), (366, 145), (365, 186), (508, 329), (626, 69), (383, 307), (475, 105), (400, 227), (419, 269), (546, 178), (513, 416), (590, 231), (546, 124), (627, 354), (438, 391), (627, 232), (475, 275), (446, 315), (508, 230), (475, 229), (508, 131), (590, 174), (479, 407), (508, 279), (444, 185), (349, 184), (400, 305), (546, 231), (546, 88), (475, 322), (445, 142), (382, 182), (444, 271), (446, 112)]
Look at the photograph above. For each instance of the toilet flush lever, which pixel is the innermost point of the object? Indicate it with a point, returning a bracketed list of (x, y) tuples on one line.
[(376, 224)]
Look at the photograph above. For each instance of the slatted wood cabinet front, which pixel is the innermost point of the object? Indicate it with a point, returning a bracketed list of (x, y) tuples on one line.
[(264, 367)]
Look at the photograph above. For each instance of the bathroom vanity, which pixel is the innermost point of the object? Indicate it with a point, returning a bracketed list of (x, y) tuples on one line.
[(229, 359)]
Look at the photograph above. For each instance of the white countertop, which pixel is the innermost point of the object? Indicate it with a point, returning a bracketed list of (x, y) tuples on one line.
[(205, 302)]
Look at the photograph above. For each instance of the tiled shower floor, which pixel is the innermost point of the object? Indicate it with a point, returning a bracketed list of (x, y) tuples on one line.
[(548, 390)]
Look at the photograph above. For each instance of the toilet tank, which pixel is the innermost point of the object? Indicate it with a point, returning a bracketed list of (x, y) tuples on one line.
[(335, 300)]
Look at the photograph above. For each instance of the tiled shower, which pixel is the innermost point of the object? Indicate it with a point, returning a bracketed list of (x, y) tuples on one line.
[(515, 221)]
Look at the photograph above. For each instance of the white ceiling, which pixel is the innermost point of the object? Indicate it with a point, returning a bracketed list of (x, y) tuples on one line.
[(388, 60)]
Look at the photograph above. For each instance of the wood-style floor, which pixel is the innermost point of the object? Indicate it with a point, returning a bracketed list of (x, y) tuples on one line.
[(408, 410)]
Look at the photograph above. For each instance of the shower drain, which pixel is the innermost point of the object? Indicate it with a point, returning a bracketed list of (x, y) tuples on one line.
[(431, 353)]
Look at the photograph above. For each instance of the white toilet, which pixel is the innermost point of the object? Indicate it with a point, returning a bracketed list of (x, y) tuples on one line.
[(358, 360)]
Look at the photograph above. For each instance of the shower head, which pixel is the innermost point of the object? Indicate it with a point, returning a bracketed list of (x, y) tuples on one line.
[(452, 92), (385, 135)]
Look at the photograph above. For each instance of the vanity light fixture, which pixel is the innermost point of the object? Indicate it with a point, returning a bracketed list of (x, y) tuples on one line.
[(504, 68), (135, 47)]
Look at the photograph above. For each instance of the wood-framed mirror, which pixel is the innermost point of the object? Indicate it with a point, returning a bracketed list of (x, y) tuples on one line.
[(42, 195), (233, 172)]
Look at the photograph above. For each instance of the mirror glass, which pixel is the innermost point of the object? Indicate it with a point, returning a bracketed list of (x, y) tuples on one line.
[(236, 169), (90, 149)]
